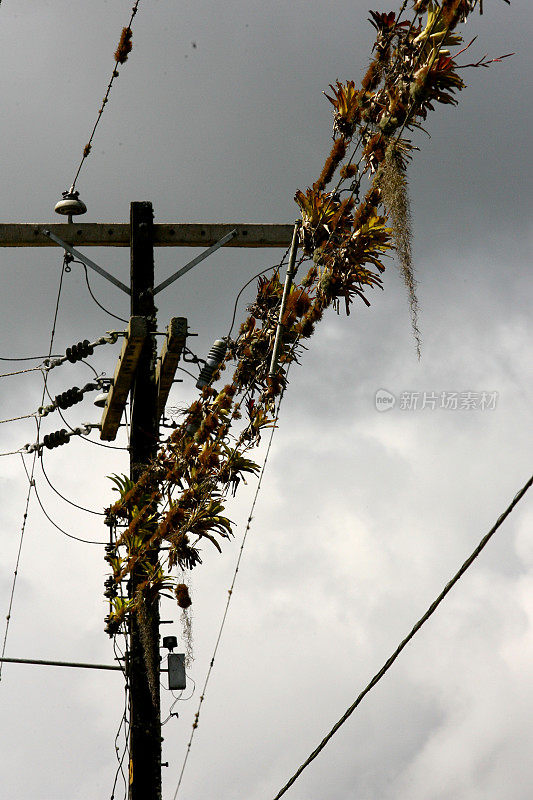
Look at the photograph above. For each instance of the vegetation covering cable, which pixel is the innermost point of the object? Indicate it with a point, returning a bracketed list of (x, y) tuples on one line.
[(179, 501)]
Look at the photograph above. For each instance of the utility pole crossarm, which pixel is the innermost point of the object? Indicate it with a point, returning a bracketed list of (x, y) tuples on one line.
[(168, 361), (123, 377), (103, 234)]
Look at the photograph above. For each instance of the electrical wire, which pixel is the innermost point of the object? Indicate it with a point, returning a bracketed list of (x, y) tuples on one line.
[(121, 319), (62, 496), (114, 74), (390, 661), (61, 530), (253, 278), (86, 438), (248, 282), (87, 364), (37, 413), (30, 475), (127, 423), (190, 374), (27, 358), (230, 595), (12, 453), (124, 722), (178, 699), (21, 371), (15, 574), (15, 419)]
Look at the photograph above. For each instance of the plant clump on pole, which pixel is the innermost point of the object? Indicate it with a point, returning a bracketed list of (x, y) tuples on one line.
[(346, 231)]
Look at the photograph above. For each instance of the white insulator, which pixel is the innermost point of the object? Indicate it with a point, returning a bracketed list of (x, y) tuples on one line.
[(214, 360)]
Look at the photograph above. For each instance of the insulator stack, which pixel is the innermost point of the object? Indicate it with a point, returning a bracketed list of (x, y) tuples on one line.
[(69, 398), (214, 360), (110, 553), (79, 351), (56, 439), (110, 588)]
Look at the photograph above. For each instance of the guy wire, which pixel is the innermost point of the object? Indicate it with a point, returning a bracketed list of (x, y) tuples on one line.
[(30, 475), (230, 592), (390, 661)]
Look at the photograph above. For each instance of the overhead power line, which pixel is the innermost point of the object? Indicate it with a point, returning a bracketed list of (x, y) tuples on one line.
[(230, 595), (44, 663), (390, 661), (62, 496), (98, 303), (20, 371), (30, 474), (121, 55), (26, 358), (15, 575), (15, 419), (61, 530)]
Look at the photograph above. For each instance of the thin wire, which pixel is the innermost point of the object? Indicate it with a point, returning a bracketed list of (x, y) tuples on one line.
[(86, 438), (121, 319), (20, 371), (14, 419), (390, 661), (27, 358), (114, 74), (127, 422), (123, 722), (253, 278), (35, 414), (190, 374), (61, 530), (230, 594), (70, 502), (15, 574), (82, 361), (30, 476)]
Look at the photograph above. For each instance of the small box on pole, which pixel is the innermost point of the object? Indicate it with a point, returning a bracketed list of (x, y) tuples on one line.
[(176, 671)]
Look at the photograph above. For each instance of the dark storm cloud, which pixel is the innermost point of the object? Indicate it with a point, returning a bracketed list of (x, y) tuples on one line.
[(363, 515)]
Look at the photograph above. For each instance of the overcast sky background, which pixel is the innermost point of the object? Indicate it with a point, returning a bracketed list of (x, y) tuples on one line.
[(363, 516)]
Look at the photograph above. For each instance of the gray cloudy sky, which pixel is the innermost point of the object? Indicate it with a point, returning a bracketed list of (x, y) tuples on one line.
[(363, 516)]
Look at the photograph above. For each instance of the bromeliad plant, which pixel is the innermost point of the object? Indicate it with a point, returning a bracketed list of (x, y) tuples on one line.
[(179, 501)]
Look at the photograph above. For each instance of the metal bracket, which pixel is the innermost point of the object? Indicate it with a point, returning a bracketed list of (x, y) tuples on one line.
[(87, 261), (195, 261)]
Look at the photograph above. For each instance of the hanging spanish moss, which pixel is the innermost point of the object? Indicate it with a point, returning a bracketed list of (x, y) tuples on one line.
[(392, 181), (345, 234), (186, 633)]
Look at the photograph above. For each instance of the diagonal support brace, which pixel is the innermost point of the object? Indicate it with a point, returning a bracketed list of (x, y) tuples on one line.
[(87, 261), (195, 261)]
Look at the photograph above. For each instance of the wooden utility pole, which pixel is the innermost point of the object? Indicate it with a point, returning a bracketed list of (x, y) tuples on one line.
[(149, 389), (143, 660)]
